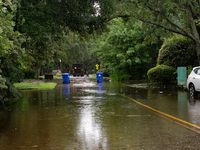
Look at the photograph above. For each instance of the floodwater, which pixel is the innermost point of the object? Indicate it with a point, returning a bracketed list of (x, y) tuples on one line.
[(85, 115)]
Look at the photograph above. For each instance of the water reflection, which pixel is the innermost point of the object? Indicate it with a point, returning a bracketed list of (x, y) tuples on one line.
[(100, 90), (193, 110), (191, 100), (66, 92), (182, 105), (182, 100), (90, 132)]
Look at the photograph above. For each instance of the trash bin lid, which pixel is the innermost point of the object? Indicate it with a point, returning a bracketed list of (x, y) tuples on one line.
[(101, 73), (65, 74)]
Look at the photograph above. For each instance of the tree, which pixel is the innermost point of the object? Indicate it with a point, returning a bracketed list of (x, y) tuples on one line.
[(180, 17), (11, 53), (75, 49), (44, 22), (123, 52)]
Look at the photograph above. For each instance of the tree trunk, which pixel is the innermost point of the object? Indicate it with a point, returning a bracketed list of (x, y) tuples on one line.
[(41, 70), (197, 44), (37, 72), (37, 69)]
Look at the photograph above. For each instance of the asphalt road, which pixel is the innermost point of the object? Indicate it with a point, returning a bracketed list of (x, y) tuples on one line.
[(86, 115)]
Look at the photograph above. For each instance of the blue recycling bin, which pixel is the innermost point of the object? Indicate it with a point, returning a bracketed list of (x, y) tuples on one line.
[(65, 77), (66, 92), (99, 77)]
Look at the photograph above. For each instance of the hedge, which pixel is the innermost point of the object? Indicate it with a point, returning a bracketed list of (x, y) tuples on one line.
[(161, 74), (177, 51)]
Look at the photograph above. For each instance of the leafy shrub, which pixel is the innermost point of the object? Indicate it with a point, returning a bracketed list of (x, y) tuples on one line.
[(118, 76), (161, 74), (9, 94), (105, 72), (58, 75), (29, 73), (2, 83), (189, 69), (177, 51)]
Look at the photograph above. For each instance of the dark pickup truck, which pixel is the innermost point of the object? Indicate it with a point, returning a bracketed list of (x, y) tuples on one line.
[(77, 69)]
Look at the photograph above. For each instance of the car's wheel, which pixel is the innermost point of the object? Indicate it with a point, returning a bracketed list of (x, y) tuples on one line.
[(192, 90)]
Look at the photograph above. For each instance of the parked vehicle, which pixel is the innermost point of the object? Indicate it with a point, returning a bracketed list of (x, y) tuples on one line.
[(193, 81), (77, 69)]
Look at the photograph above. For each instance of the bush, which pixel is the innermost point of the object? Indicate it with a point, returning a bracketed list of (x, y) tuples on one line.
[(29, 73), (177, 51), (161, 74), (118, 76), (9, 94), (105, 72)]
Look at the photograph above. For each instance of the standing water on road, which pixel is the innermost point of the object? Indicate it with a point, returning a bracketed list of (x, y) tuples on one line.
[(85, 115)]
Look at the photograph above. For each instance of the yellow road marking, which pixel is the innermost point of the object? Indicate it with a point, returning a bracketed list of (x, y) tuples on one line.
[(193, 125), (185, 126)]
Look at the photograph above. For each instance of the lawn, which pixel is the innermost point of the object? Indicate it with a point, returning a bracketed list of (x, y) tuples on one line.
[(35, 85)]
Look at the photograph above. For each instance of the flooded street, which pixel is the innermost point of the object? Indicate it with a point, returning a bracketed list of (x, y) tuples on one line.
[(85, 115)]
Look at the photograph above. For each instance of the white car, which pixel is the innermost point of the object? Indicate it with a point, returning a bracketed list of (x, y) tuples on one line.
[(193, 81)]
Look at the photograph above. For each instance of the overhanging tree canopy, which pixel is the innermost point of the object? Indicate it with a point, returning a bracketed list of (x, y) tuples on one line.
[(181, 17), (48, 16), (45, 21)]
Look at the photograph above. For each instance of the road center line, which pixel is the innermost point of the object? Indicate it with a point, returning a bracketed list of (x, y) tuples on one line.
[(160, 112)]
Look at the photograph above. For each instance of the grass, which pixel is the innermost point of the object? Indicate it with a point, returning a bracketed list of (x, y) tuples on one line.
[(58, 75), (35, 85), (93, 76)]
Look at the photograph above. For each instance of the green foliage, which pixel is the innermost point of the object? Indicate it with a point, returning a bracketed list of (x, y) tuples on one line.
[(118, 76), (6, 28), (189, 69), (177, 51), (50, 65), (29, 73), (58, 75), (164, 18), (161, 74), (9, 94), (104, 71), (75, 49), (12, 64), (2, 83), (161, 16), (122, 50), (11, 54), (44, 23)]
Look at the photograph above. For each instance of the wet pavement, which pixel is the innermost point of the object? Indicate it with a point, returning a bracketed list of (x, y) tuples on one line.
[(85, 115)]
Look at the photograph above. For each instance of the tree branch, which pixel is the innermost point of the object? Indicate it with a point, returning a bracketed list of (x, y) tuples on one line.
[(164, 27), (170, 21), (124, 16), (193, 25), (178, 29)]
